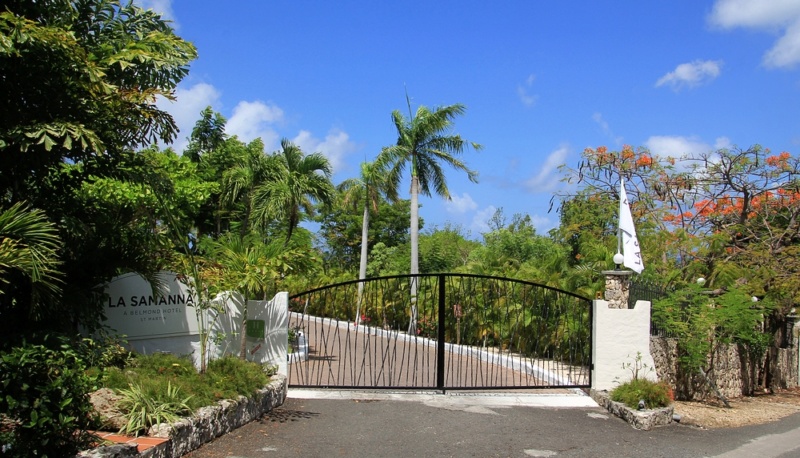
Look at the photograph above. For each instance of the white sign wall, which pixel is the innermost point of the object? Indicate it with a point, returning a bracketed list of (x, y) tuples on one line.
[(138, 310), (163, 318)]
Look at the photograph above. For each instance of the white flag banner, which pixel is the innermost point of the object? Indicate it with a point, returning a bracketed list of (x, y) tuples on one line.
[(630, 244)]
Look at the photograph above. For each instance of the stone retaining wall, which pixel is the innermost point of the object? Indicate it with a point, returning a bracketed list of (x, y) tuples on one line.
[(639, 419), (204, 426), (730, 371)]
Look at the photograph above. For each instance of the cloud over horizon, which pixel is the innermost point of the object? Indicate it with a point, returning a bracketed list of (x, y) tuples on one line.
[(691, 74), (523, 91), (678, 146), (460, 204), (769, 16), (251, 120), (547, 179), (336, 146)]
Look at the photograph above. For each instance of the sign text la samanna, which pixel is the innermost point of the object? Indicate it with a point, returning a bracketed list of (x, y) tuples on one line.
[(139, 310), (150, 300)]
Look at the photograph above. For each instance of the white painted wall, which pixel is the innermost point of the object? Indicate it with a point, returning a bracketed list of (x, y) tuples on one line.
[(169, 328), (272, 348), (618, 335)]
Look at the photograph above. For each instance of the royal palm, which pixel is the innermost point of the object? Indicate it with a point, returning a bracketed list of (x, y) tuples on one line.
[(424, 143)]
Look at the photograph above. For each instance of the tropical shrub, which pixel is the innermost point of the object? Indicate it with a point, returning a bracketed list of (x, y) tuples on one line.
[(156, 374), (640, 389), (44, 392), (654, 394), (144, 408)]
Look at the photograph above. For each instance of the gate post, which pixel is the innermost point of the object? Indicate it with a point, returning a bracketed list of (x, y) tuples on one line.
[(440, 335), (620, 336)]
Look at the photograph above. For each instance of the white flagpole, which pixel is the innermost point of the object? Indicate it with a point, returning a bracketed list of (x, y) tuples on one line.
[(632, 254)]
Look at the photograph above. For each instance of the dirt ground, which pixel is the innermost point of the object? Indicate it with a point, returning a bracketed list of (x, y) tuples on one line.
[(762, 408)]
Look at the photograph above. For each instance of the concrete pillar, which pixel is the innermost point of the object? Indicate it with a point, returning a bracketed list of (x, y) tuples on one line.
[(620, 336)]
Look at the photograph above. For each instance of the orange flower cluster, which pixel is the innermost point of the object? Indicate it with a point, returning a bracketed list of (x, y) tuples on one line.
[(728, 205), (644, 161), (603, 157), (779, 161)]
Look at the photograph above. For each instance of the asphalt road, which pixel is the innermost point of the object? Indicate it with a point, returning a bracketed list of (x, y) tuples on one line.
[(481, 426)]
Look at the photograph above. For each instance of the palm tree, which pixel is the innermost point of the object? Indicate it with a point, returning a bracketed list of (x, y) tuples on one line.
[(245, 261), (30, 278), (252, 169), (423, 141), (297, 181), (367, 189)]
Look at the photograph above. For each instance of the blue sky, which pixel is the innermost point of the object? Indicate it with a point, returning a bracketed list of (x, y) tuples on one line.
[(541, 81)]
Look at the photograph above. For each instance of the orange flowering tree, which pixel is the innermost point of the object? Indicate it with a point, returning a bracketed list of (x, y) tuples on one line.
[(706, 214), (731, 216), (588, 210)]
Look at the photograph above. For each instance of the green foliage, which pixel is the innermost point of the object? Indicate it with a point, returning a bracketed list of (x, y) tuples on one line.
[(640, 388), (145, 408), (427, 327), (340, 230), (230, 377), (45, 393), (654, 394), (103, 351), (387, 260), (296, 181), (701, 321), (73, 70), (156, 374), (80, 85), (29, 265), (445, 249)]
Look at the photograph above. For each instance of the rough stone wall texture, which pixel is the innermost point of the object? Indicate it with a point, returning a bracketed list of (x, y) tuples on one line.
[(730, 370), (785, 370), (207, 424), (639, 419), (617, 289)]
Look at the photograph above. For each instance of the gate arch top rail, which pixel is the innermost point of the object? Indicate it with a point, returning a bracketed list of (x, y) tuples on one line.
[(459, 331)]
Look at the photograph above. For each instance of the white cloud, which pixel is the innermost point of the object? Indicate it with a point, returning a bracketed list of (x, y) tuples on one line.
[(336, 145), (548, 178), (786, 52), (782, 16), (251, 120), (163, 7), (527, 99), (604, 126), (186, 109), (722, 142), (691, 74), (754, 13), (543, 224), (460, 204), (677, 146), (480, 222)]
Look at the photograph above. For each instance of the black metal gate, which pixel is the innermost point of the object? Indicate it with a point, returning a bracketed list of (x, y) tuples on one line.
[(440, 331)]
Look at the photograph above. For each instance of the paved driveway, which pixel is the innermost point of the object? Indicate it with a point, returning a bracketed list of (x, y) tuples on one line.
[(330, 424)]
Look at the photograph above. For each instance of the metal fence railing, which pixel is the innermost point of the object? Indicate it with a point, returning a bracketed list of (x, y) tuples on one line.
[(442, 331), (651, 292)]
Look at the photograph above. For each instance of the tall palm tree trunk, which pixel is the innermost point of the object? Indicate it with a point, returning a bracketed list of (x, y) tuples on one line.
[(362, 267), (412, 325)]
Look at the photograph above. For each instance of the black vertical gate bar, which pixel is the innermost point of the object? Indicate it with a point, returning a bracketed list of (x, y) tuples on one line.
[(440, 337), (590, 359)]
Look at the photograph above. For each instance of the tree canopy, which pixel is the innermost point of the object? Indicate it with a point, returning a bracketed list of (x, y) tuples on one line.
[(80, 80)]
